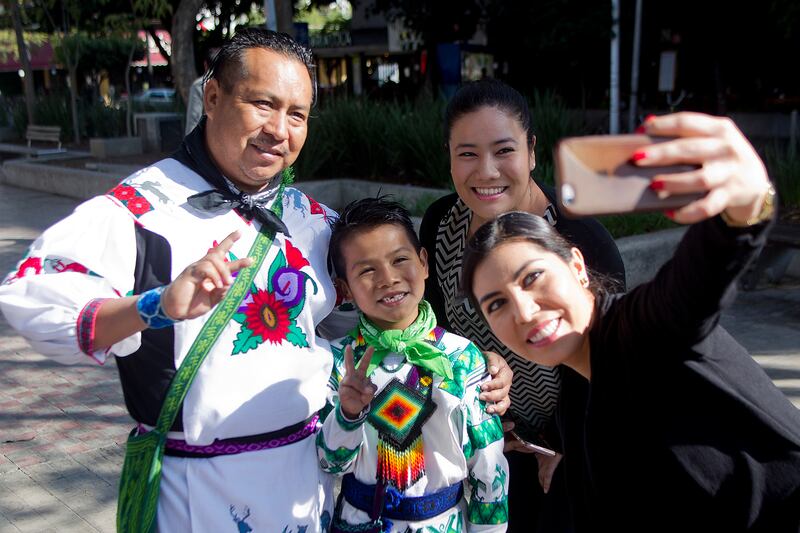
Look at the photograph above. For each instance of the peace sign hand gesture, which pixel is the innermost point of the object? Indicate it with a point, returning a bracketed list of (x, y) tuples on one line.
[(355, 390), (203, 284)]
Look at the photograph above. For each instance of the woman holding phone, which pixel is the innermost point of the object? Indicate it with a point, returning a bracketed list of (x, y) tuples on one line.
[(490, 140), (710, 444)]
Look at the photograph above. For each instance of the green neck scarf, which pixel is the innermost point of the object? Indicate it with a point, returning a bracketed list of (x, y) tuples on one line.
[(410, 342)]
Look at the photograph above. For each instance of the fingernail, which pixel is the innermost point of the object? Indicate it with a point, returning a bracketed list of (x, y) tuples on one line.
[(657, 185), (648, 118), (638, 156), (640, 129), (669, 213)]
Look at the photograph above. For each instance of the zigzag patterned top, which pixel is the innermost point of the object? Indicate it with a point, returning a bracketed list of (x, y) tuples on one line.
[(534, 390)]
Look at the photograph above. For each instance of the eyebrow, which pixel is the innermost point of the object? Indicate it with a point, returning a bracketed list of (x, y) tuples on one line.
[(516, 275), (252, 95), (368, 261), (499, 141)]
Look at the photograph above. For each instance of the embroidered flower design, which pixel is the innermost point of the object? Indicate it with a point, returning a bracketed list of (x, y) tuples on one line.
[(123, 193), (139, 206), (267, 317), (271, 314), (29, 267), (136, 203), (316, 208)]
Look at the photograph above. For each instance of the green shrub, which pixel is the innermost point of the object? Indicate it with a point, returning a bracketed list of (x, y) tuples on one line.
[(552, 121), (783, 164), (102, 121)]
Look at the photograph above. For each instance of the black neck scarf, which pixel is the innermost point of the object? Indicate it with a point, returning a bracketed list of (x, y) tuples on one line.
[(225, 195)]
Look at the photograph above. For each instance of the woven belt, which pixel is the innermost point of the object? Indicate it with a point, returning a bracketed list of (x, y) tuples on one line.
[(233, 446), (408, 508)]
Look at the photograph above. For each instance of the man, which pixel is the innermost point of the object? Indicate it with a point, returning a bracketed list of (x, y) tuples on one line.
[(194, 107), (120, 276)]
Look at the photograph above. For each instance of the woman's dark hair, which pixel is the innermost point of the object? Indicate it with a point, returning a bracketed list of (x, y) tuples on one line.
[(364, 215), (519, 226), (488, 92), (228, 68)]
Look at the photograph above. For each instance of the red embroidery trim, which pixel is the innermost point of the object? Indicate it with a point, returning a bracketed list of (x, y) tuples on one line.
[(87, 319)]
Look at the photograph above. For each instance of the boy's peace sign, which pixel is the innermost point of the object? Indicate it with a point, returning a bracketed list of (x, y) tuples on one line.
[(355, 390)]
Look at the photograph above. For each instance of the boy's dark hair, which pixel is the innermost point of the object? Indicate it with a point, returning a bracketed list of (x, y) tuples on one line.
[(364, 215), (488, 92), (228, 68)]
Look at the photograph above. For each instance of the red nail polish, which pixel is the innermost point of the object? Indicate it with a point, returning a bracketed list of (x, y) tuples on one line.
[(669, 214), (638, 156), (657, 185), (649, 118), (640, 129)]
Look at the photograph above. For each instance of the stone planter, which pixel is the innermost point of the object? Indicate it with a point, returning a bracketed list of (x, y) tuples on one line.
[(105, 147)]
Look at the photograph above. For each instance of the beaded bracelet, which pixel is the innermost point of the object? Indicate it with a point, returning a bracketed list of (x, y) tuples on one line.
[(151, 311)]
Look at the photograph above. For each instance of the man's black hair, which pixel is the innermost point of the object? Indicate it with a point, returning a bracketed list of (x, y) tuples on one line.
[(227, 66), (364, 215)]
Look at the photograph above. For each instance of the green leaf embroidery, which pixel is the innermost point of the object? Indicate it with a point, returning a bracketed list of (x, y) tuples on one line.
[(240, 317), (246, 341), (296, 336), (279, 262), (294, 312)]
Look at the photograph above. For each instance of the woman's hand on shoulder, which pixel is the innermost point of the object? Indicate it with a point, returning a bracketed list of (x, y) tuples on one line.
[(498, 389), (730, 171)]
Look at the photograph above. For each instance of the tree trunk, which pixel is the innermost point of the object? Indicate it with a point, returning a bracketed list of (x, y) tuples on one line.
[(22, 50), (182, 61), (73, 98), (284, 15), (129, 103)]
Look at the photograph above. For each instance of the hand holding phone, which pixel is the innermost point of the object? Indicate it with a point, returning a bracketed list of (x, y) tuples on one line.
[(595, 176), (533, 447)]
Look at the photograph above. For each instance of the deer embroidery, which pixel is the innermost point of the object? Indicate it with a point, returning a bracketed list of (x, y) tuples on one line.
[(243, 526)]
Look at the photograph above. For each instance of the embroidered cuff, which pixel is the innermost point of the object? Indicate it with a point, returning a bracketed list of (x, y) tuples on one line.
[(346, 423), (85, 328), (150, 310)]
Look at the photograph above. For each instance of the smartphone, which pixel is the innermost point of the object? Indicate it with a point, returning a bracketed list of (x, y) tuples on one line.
[(595, 176), (531, 446)]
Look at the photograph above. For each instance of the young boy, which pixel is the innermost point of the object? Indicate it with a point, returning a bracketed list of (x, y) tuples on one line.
[(406, 427)]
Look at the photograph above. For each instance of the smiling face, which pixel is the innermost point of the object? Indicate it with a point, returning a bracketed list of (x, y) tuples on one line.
[(490, 163), (537, 304), (384, 275), (258, 128)]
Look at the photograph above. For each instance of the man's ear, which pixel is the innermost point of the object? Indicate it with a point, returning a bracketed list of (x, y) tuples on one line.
[(211, 94), (423, 257)]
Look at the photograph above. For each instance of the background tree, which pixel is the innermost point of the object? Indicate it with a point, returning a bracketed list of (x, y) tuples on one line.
[(24, 59)]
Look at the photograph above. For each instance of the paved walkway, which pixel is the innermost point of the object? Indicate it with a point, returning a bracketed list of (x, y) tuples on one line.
[(63, 428)]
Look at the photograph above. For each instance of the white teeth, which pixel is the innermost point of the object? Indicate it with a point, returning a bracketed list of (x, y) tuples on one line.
[(393, 299), (489, 191), (545, 332)]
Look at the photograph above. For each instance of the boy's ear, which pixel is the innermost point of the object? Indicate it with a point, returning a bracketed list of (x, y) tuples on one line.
[(423, 257), (342, 290)]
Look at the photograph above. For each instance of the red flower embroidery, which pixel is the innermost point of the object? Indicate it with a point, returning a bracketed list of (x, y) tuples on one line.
[(294, 256), (30, 267), (123, 192), (316, 209), (267, 317), (139, 206)]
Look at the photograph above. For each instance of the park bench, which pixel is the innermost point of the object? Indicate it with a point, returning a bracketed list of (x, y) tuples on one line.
[(33, 133)]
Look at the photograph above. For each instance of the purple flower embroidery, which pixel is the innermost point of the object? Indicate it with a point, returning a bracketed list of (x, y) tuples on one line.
[(287, 283)]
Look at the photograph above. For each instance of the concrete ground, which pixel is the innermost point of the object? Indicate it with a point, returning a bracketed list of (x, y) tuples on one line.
[(63, 428)]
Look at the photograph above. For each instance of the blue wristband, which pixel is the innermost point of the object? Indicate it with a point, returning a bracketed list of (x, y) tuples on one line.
[(149, 307)]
